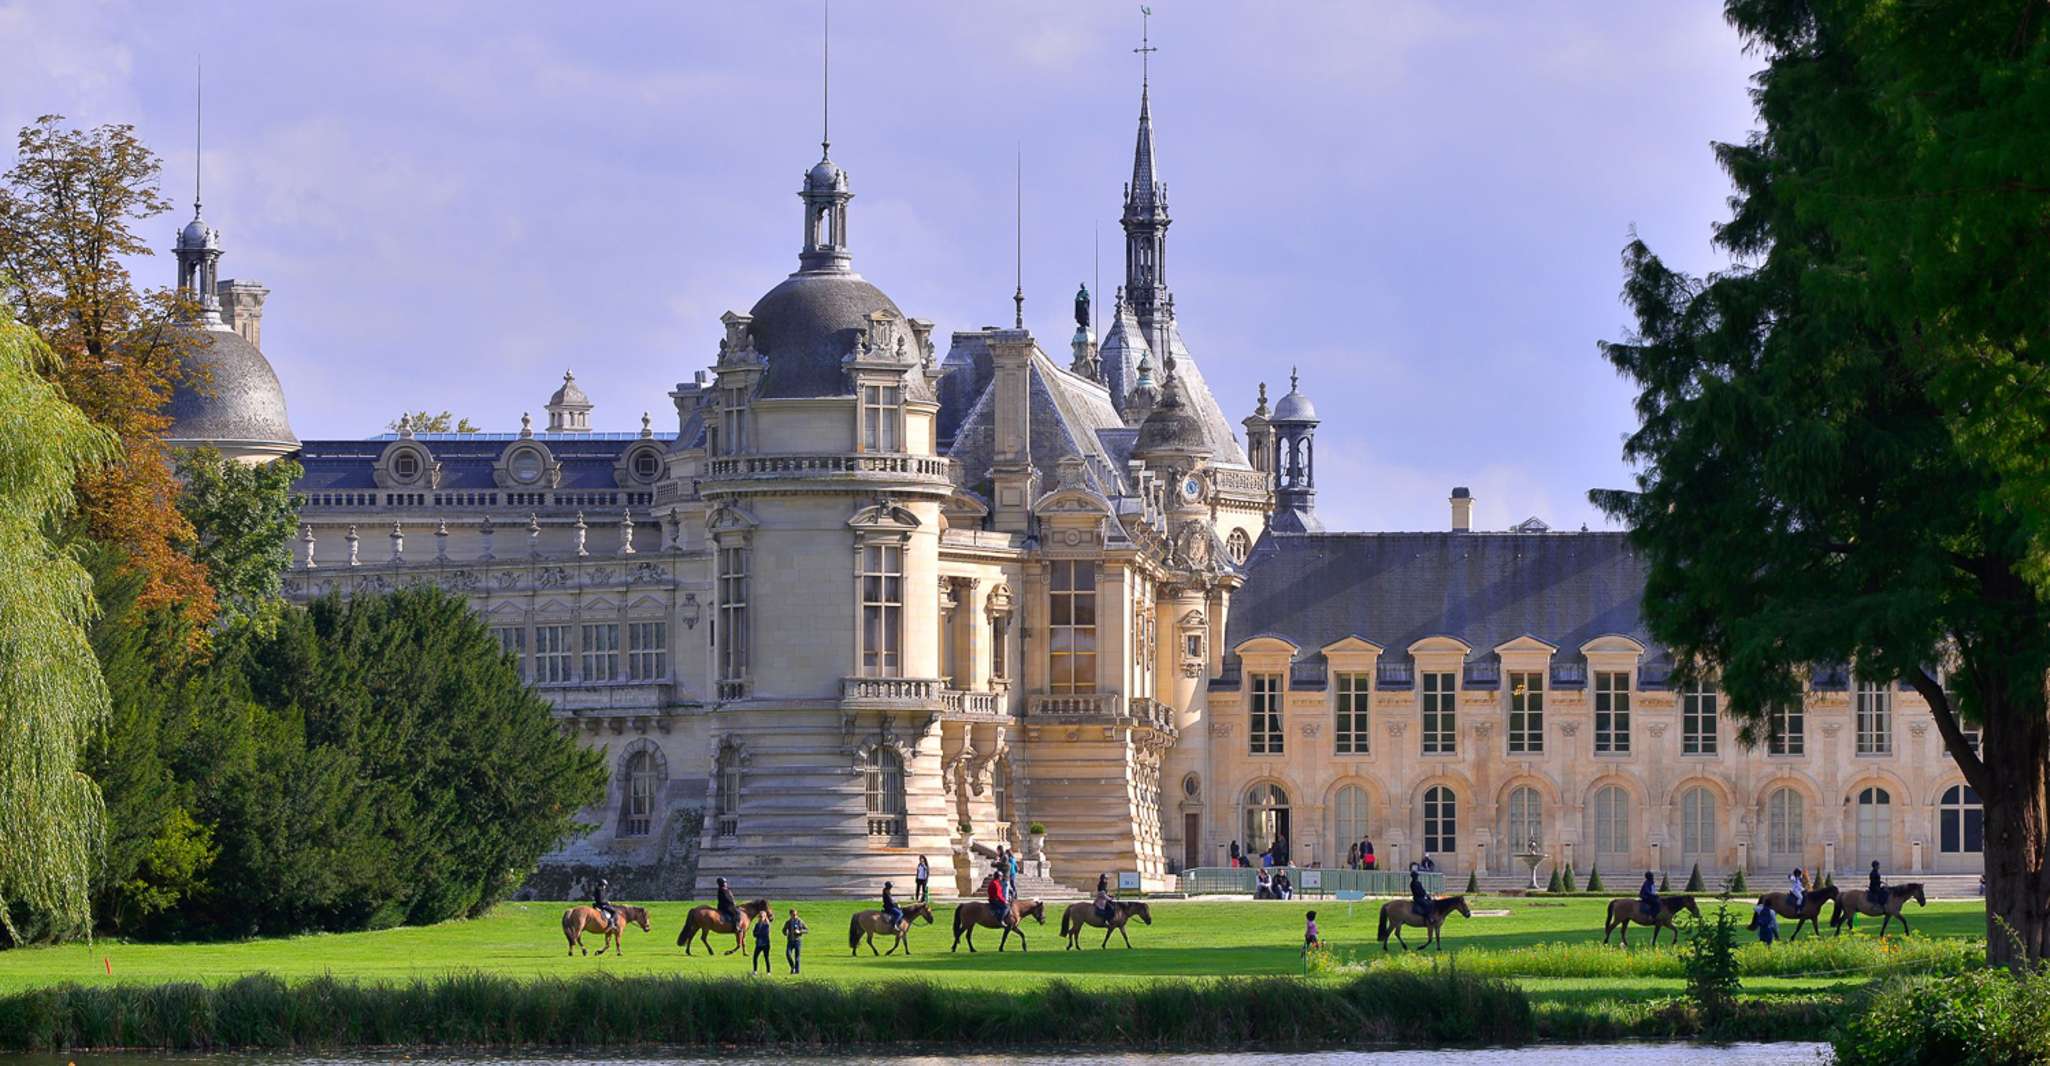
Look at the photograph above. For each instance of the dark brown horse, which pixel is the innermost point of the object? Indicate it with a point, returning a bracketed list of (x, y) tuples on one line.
[(576, 921), (1855, 901), (1084, 913), (1397, 913), (1624, 911), (1808, 913), (869, 923), (975, 912), (702, 922)]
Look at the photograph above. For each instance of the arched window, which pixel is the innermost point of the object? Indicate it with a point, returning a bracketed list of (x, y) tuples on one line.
[(884, 783), (1350, 813), (1526, 819), (1875, 826), (1239, 545), (642, 775), (728, 807), (1783, 817), (1612, 826), (1962, 823), (1441, 821), (1266, 817), (1697, 824)]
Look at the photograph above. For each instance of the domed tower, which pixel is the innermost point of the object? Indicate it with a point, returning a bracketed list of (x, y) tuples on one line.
[(1294, 427), (569, 410), (226, 396), (822, 497)]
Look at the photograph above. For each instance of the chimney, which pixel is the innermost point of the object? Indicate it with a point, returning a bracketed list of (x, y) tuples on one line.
[(1011, 472), (242, 307), (1462, 509)]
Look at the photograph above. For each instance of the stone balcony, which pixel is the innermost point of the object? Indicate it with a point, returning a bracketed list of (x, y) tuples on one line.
[(1100, 708), (836, 466), (911, 693), (975, 706), (523, 501)]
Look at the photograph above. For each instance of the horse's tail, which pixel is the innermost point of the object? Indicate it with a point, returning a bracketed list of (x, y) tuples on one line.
[(853, 931), (1382, 933), (690, 925), (960, 914), (1068, 922)]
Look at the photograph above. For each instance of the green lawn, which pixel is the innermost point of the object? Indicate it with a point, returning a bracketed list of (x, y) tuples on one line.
[(1187, 939)]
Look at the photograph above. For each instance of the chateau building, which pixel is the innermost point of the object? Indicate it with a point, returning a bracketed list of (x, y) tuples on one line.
[(861, 602)]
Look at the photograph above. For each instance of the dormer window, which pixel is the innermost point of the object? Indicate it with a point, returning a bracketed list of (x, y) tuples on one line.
[(406, 466), (882, 416), (526, 467), (647, 465)]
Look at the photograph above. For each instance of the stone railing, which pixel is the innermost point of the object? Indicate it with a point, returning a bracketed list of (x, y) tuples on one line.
[(732, 690), (844, 465), (472, 576), (890, 690), (1152, 713), (522, 501), (1073, 705), (1242, 483), (971, 704)]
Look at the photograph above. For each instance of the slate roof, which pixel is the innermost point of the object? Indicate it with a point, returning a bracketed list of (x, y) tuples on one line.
[(807, 324), (968, 373), (1394, 589), (467, 459), (227, 392), (1071, 415)]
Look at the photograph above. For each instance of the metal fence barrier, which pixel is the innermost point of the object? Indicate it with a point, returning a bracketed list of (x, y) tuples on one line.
[(1311, 882)]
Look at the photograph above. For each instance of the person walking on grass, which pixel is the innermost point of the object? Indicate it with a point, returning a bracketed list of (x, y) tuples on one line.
[(1311, 941), (793, 941), (1765, 922), (924, 875), (761, 955)]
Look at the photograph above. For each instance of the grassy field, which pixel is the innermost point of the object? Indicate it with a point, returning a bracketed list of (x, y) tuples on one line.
[(1550, 947)]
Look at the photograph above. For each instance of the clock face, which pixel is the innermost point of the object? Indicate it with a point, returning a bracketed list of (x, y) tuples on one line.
[(1191, 488)]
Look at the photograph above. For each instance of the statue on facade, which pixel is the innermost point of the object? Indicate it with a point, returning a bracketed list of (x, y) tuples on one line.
[(1082, 307)]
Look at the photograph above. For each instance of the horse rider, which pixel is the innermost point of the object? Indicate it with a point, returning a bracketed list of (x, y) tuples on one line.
[(1420, 901), (601, 898), (729, 910), (1104, 907), (1797, 887), (1875, 889), (1648, 896), (891, 911), (998, 905)]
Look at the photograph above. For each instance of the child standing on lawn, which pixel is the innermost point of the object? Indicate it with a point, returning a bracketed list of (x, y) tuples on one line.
[(1310, 938), (761, 955)]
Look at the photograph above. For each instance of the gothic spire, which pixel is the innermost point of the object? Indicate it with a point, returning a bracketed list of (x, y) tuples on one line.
[(1145, 218)]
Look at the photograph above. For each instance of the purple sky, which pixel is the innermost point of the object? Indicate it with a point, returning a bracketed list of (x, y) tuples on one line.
[(1421, 204)]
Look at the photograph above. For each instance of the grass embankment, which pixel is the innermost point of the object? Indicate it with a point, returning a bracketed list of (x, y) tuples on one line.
[(1204, 975)]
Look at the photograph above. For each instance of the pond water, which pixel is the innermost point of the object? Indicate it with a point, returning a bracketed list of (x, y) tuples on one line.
[(1553, 1055)]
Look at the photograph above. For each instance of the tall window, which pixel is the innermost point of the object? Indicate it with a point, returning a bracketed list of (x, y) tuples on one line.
[(551, 654), (728, 807), (1350, 814), (1783, 817), (1441, 725), (637, 814), (1526, 713), (647, 646), (601, 653), (731, 438), (513, 641), (1698, 720), (882, 610), (999, 646), (1072, 619), (1875, 718), (1000, 789), (1788, 724), (1351, 729), (1441, 821), (1697, 823), (733, 626), (1265, 728), (1875, 826), (884, 783), (1611, 713), (882, 418), (950, 639), (1526, 818), (1612, 824), (1961, 821)]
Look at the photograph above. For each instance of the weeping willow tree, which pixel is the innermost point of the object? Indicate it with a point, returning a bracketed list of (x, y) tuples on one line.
[(52, 697)]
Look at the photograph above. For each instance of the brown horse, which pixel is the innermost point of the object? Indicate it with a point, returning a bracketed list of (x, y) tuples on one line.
[(1080, 914), (1397, 913), (1808, 913), (578, 920), (1853, 902), (869, 923), (1624, 911), (975, 912), (702, 922)]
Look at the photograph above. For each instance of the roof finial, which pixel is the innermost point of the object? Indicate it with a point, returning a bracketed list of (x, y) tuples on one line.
[(1145, 50), (1291, 379), (198, 109), (826, 84), (1018, 297)]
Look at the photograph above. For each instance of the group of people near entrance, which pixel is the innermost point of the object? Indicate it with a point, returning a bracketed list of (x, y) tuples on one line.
[(1765, 921), (1360, 856)]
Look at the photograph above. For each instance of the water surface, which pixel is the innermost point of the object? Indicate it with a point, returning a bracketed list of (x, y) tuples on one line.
[(1550, 1055)]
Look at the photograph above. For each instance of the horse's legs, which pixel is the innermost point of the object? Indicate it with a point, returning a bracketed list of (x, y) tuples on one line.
[(1608, 928), (1903, 916), (1884, 922), (971, 939), (1122, 933), (1399, 939), (1107, 931)]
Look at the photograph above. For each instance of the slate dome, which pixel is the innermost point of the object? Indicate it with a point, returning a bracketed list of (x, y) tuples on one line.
[(227, 393), (1295, 407), (806, 325)]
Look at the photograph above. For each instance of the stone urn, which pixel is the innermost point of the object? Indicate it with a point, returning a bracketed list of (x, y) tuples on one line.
[(968, 840), (1035, 843)]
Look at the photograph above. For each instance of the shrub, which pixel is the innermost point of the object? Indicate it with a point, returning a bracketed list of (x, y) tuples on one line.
[(1710, 959), (1986, 1016), (1473, 884), (1566, 884), (1804, 957), (1036, 829), (1555, 884), (1594, 879), (1665, 883), (1735, 886), (1694, 881), (966, 827)]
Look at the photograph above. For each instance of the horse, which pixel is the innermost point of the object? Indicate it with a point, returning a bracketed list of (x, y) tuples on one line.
[(578, 920), (702, 922), (869, 923), (1624, 911), (1084, 913), (1853, 901), (975, 912), (1397, 913), (1809, 912)]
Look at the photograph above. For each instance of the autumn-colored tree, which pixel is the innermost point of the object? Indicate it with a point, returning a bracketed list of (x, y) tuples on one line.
[(67, 209)]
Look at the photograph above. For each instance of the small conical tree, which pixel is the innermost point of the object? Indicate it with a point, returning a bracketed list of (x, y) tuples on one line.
[(1828, 879), (1694, 881), (1554, 885), (1737, 885), (1473, 883), (1665, 883), (1594, 878), (1569, 879)]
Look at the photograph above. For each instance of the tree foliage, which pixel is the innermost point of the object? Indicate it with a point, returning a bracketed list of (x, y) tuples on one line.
[(423, 421), (242, 517), (52, 697), (66, 211), (1845, 439)]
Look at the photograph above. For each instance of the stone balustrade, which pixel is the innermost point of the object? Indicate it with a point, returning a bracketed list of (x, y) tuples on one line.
[(522, 501), (853, 466), (1073, 705), (893, 691), (957, 703)]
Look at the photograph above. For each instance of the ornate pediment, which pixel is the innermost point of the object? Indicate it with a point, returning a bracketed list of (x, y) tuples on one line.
[(729, 518), (884, 515)]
